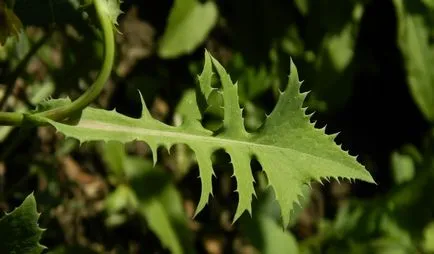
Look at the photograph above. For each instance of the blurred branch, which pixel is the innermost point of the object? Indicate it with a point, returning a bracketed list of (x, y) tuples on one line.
[(12, 77)]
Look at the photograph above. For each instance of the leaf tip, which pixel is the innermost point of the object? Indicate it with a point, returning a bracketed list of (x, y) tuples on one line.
[(145, 112), (293, 74)]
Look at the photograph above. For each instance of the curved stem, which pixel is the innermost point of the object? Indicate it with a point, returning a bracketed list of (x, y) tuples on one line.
[(61, 113), (92, 93)]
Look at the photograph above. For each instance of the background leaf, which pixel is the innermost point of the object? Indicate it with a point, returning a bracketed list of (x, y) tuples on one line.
[(414, 31), (149, 192), (428, 243), (263, 229), (189, 23)]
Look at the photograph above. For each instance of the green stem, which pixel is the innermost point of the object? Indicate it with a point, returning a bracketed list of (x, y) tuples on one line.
[(92, 93), (11, 118), (61, 113)]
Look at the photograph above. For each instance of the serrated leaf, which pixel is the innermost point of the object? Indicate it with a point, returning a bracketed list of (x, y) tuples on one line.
[(19, 230), (414, 29), (189, 23), (187, 108), (112, 10), (204, 89), (291, 151)]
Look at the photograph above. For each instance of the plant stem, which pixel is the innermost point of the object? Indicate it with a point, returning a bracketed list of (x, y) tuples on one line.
[(10, 118), (92, 93), (61, 113)]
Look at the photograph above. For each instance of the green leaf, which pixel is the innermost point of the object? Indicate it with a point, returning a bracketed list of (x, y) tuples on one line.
[(429, 4), (186, 110), (121, 198), (333, 69), (19, 230), (114, 156), (414, 28), (302, 6), (149, 192), (188, 25), (268, 237), (159, 223), (118, 204), (263, 231), (160, 204), (428, 241), (291, 151), (205, 88), (403, 167)]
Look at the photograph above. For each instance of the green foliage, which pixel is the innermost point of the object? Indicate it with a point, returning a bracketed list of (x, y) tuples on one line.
[(368, 67), (404, 164), (428, 243), (19, 230), (267, 236), (292, 152), (148, 192), (333, 61), (189, 23), (303, 6), (263, 229), (381, 225), (414, 31)]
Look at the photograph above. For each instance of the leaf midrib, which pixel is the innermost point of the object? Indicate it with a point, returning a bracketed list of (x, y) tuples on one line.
[(222, 142)]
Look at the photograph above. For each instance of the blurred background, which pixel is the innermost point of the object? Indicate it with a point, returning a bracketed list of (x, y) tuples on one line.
[(367, 63)]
